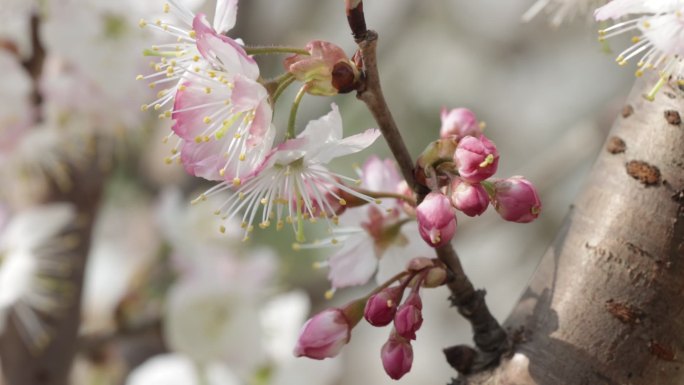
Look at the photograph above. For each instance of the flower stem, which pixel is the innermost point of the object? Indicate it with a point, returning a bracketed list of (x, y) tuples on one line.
[(293, 113), (282, 86), (267, 50), (386, 194)]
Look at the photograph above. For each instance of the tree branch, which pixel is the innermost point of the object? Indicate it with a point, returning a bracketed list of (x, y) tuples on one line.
[(490, 338)]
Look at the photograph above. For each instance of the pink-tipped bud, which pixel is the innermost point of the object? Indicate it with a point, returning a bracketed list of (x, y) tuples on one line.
[(459, 123), (325, 334), (471, 199), (477, 158), (381, 307), (326, 71), (436, 219), (409, 316), (516, 199), (397, 356)]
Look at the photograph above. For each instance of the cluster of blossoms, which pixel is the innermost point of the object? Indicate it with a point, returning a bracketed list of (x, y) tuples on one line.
[(222, 112), (457, 168), (325, 334), (656, 29)]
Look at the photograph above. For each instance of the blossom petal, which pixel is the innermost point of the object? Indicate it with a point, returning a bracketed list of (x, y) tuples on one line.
[(620, 8), (324, 130), (354, 264), (203, 160), (348, 145), (222, 51), (224, 18), (379, 175)]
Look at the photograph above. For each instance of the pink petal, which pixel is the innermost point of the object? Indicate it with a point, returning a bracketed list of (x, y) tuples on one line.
[(222, 51)]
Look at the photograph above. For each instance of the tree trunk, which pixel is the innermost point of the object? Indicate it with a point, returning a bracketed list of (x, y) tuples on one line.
[(606, 304)]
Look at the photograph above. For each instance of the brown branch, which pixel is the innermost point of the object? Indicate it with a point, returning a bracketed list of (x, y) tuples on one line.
[(489, 336)]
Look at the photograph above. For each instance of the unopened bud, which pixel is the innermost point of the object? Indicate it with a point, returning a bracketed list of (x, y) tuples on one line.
[(477, 158), (419, 263), (326, 71), (471, 199), (381, 307), (459, 123), (397, 356), (516, 199), (409, 316), (435, 277), (436, 219)]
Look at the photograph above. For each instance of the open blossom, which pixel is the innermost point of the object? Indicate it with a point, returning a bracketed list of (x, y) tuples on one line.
[(371, 240), (292, 183), (561, 10), (657, 29), (28, 244)]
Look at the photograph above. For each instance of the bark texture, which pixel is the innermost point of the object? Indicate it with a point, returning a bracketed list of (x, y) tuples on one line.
[(606, 305)]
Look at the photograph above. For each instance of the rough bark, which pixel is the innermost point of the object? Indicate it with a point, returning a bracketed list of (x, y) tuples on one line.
[(606, 304), (51, 366)]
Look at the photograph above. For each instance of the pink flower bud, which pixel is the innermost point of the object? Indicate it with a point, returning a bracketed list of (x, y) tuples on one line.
[(516, 199), (409, 317), (326, 71), (436, 219), (459, 123), (381, 307), (397, 356), (323, 335), (477, 158), (471, 199)]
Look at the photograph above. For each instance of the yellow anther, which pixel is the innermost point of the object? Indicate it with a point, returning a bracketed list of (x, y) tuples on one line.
[(195, 58), (207, 90), (157, 107), (378, 201), (264, 224), (280, 225), (636, 39), (243, 157), (263, 201), (142, 23), (222, 172), (389, 303), (167, 114), (342, 202), (236, 181), (198, 139), (192, 34), (182, 88), (144, 107), (152, 85), (296, 246), (243, 225), (168, 160), (205, 138), (329, 294), (139, 77), (206, 120), (334, 241), (166, 8), (222, 229)]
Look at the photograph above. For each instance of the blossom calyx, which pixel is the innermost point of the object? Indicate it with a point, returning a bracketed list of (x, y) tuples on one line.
[(397, 356), (326, 70), (459, 123), (436, 219), (382, 306), (471, 199), (516, 199), (326, 333), (477, 158), (409, 316)]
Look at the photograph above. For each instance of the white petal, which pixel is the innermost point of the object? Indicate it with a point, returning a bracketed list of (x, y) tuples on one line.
[(224, 18), (354, 264), (281, 319), (326, 129), (346, 146), (176, 369)]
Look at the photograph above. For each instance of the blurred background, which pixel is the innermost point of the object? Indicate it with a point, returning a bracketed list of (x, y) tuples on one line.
[(548, 96)]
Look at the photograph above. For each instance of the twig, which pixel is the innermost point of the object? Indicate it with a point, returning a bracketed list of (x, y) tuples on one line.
[(490, 338)]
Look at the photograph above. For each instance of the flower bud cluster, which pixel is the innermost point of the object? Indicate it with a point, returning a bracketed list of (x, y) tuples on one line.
[(324, 335), (457, 169)]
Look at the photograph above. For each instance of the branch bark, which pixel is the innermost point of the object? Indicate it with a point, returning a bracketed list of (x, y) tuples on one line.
[(605, 304), (490, 338)]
